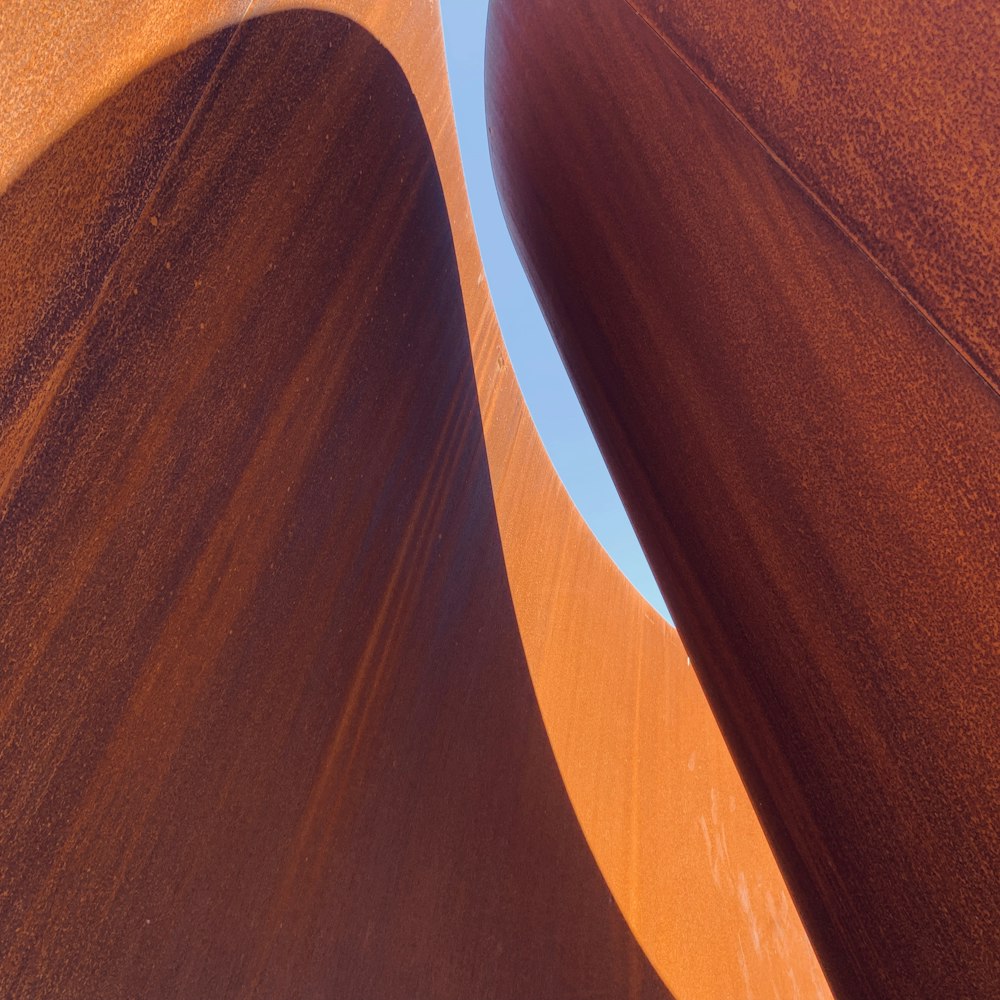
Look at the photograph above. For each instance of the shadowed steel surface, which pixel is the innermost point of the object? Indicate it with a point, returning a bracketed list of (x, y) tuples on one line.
[(812, 466), (889, 113), (260, 683), (315, 682)]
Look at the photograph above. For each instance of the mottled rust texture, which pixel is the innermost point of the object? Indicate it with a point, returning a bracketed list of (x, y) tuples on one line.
[(889, 113), (813, 469), (267, 726)]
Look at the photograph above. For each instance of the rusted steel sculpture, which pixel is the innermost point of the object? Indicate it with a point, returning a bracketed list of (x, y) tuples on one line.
[(313, 682), (765, 237)]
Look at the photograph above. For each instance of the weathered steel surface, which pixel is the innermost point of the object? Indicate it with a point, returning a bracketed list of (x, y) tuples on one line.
[(266, 699), (813, 468), (889, 113), (314, 682)]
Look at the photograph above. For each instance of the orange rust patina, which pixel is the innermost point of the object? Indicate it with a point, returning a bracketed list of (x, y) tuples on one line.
[(314, 682), (765, 237)]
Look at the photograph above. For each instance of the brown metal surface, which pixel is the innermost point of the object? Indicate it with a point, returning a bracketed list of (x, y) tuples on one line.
[(889, 114), (314, 683), (259, 684), (812, 467)]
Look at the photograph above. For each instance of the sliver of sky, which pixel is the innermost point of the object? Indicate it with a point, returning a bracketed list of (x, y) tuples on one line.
[(546, 387)]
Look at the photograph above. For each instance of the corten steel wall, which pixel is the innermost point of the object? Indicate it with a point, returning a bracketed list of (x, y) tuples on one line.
[(314, 683), (765, 238)]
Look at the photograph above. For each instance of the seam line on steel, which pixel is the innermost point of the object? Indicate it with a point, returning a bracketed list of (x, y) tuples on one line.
[(825, 209)]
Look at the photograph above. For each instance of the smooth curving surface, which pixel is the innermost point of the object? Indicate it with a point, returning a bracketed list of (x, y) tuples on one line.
[(311, 663), (813, 469), (269, 707)]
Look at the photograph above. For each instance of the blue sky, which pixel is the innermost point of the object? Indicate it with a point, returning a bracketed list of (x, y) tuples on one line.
[(544, 382)]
